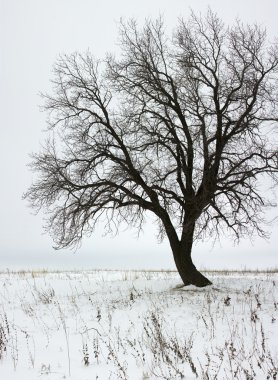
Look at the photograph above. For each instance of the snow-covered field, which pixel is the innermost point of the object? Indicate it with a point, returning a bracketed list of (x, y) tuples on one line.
[(94, 325)]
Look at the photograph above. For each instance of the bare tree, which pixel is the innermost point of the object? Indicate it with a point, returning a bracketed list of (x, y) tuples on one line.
[(182, 128)]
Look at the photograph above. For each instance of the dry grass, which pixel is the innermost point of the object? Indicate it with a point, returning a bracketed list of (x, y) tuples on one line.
[(139, 325)]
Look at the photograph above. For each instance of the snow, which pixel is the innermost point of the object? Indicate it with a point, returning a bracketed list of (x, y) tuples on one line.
[(137, 325)]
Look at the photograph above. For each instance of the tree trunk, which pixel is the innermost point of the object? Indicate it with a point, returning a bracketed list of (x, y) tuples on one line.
[(182, 256), (187, 270)]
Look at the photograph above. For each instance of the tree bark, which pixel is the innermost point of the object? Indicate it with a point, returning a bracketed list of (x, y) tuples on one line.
[(188, 272), (182, 256)]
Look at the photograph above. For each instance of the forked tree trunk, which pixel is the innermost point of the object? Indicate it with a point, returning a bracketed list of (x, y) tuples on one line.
[(182, 256)]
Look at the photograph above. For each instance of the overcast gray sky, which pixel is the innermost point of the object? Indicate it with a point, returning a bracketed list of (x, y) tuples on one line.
[(32, 34)]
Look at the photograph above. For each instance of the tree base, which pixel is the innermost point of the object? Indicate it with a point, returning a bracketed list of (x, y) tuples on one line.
[(193, 277), (202, 284)]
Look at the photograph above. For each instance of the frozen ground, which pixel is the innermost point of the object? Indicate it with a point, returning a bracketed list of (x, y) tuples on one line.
[(101, 325)]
